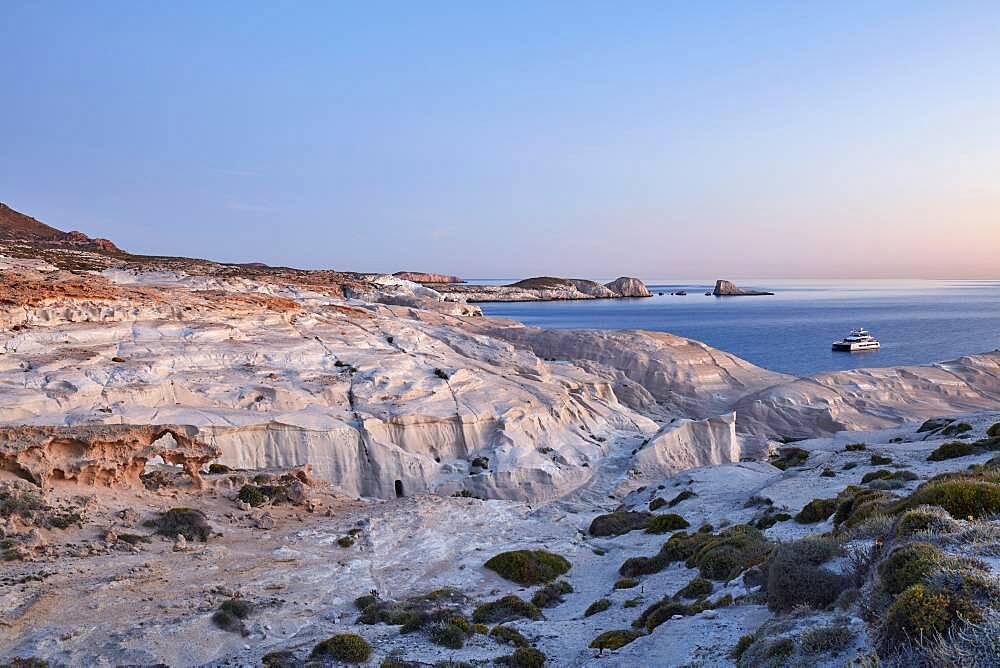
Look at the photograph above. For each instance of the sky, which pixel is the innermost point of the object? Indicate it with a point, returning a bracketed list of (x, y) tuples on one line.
[(591, 139)]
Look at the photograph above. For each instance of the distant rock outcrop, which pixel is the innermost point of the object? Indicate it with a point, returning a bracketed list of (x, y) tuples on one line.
[(16, 226), (626, 286), (545, 288), (422, 277), (729, 289)]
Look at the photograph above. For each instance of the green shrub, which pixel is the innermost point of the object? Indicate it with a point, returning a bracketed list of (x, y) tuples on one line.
[(994, 431), (619, 523), (908, 565), (660, 612), (696, 588), (280, 659), (788, 457), (665, 523), (447, 635), (856, 504), (626, 583), (526, 657), (881, 474), (951, 450), (917, 612), (828, 473), (657, 503), (922, 519), (956, 428), (794, 576), (192, 524), (732, 551), (781, 648), (879, 460), (415, 612), (614, 639), (742, 644), (217, 469), (961, 496), (528, 567), (551, 595), (683, 496), (817, 510), (600, 605), (505, 609), (509, 636), (345, 541), (253, 495), (362, 602), (346, 647), (855, 447)]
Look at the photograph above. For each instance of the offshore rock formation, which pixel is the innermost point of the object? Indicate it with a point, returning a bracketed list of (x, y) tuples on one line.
[(421, 277), (628, 287), (729, 289), (546, 288)]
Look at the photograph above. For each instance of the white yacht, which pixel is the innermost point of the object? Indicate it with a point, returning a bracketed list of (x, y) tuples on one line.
[(858, 339)]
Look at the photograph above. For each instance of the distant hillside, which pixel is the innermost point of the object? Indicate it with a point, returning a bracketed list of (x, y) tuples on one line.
[(16, 226)]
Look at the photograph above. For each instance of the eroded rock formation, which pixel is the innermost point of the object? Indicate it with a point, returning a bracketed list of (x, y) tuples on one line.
[(99, 455), (729, 289)]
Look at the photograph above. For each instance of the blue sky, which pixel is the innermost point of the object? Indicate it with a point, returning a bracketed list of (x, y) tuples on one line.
[(588, 139)]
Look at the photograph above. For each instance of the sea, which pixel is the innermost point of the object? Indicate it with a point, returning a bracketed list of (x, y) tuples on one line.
[(916, 321)]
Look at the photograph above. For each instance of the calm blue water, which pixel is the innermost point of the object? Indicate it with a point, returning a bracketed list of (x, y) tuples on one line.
[(916, 321)]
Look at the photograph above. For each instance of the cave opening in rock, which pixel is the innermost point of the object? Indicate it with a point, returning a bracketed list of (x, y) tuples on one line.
[(399, 488)]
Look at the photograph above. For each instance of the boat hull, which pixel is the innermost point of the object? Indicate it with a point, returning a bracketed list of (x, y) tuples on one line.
[(843, 346)]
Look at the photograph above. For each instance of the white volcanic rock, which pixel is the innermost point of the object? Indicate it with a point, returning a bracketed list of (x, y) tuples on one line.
[(688, 444), (686, 376), (728, 289), (872, 398), (626, 286)]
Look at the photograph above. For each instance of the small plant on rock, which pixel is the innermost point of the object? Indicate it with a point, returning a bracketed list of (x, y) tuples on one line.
[(345, 647), (528, 567)]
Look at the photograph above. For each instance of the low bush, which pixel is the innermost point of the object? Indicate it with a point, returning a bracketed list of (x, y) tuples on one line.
[(794, 575), (600, 605), (218, 469), (789, 457), (667, 522), (447, 635), (742, 644), (626, 583), (683, 496), (525, 657), (951, 450), (881, 474), (856, 504), (619, 523), (956, 428), (879, 460), (192, 524), (509, 636), (657, 503), (994, 431), (505, 609), (528, 567), (615, 639), (916, 613), (660, 612), (817, 510), (963, 496), (345, 647), (280, 659), (551, 595), (696, 588), (923, 518), (828, 473), (908, 565), (412, 613), (724, 556), (855, 447)]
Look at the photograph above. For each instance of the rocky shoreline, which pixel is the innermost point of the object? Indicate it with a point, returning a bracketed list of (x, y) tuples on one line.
[(545, 288)]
